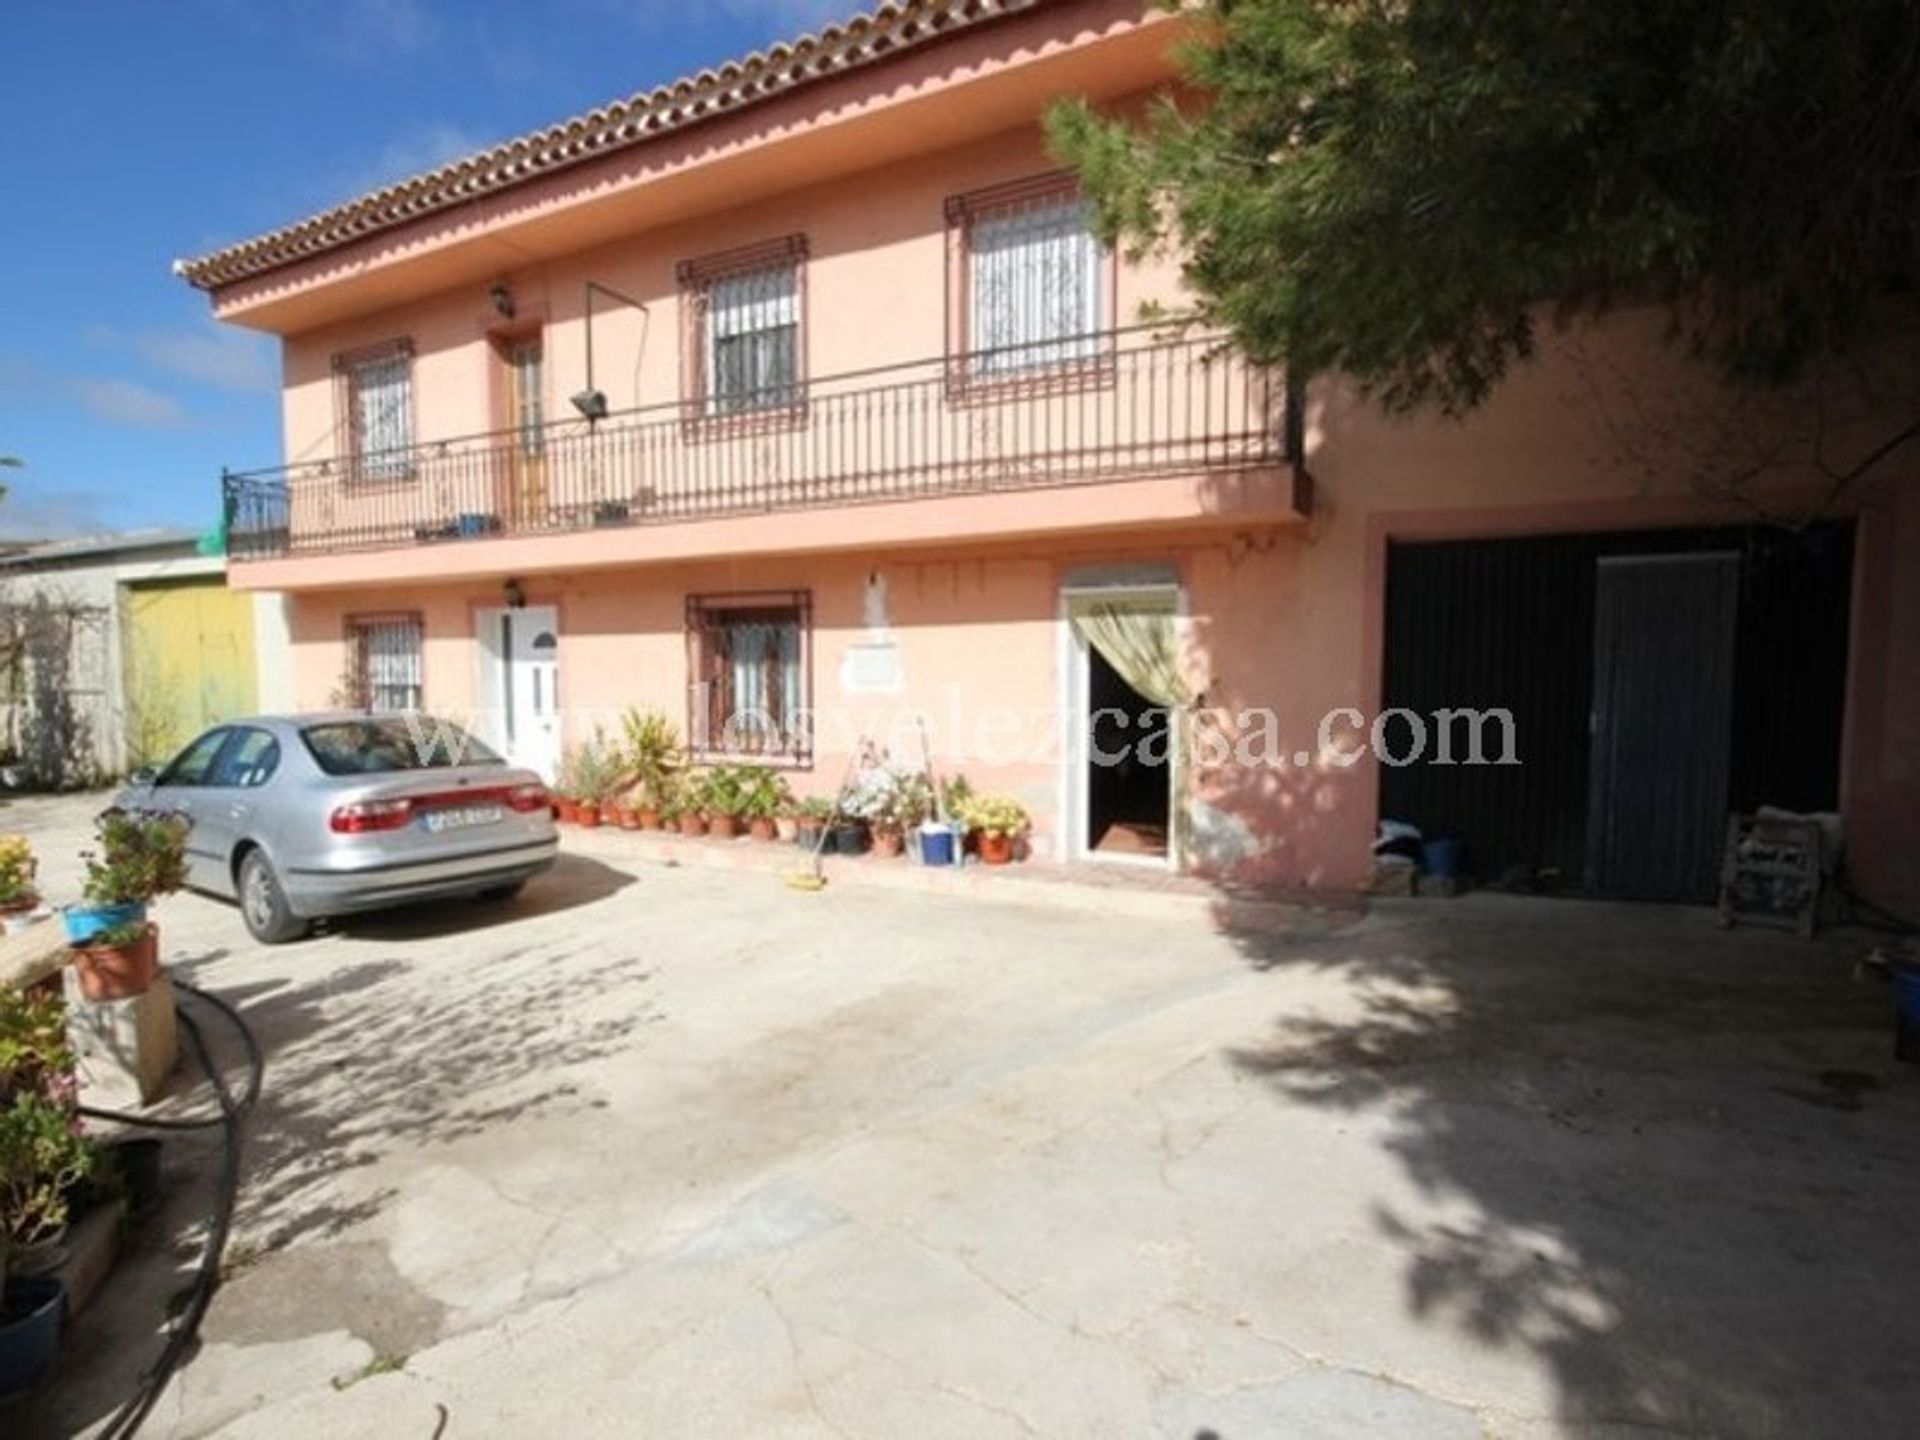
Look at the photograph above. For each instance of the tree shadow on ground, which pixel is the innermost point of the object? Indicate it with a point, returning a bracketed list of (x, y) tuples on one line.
[(364, 1060), (1628, 1120), (432, 1046)]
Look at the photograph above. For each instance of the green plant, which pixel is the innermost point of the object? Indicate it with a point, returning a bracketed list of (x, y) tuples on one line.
[(591, 772), (996, 815), (724, 791), (17, 868), (566, 773), (956, 795), (890, 798), (763, 792), (602, 769), (141, 855), (35, 1055), (42, 1156), (42, 1152), (649, 747), (816, 809)]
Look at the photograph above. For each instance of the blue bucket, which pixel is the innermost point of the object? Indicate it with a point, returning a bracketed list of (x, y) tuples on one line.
[(1441, 857), (938, 844), (1906, 1001), (29, 1331), (83, 922)]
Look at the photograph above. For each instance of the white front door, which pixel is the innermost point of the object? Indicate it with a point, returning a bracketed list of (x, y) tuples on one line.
[(520, 684)]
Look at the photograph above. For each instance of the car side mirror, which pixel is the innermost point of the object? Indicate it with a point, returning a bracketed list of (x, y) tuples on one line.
[(145, 775)]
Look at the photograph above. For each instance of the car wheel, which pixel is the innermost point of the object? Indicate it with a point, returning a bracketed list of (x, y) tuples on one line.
[(503, 892), (263, 904)]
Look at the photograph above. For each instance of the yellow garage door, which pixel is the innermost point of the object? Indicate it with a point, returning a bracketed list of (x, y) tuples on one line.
[(189, 663)]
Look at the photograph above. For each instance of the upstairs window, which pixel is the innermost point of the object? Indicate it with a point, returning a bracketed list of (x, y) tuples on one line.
[(743, 342), (748, 656), (384, 669), (376, 400), (1033, 278)]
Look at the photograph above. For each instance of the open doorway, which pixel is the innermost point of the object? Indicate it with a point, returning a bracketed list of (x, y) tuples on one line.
[(1123, 682), (1130, 760)]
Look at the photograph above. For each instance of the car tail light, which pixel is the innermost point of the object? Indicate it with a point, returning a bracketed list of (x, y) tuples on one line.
[(528, 798), (367, 815)]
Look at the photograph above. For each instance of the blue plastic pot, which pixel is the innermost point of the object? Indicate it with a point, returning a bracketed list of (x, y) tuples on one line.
[(29, 1331), (83, 922), (939, 844), (1440, 857), (1906, 1000)]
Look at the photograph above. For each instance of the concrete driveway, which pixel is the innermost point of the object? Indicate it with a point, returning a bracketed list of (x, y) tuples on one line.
[(672, 1152)]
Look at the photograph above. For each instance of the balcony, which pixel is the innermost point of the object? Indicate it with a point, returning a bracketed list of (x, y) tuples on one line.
[(1118, 406)]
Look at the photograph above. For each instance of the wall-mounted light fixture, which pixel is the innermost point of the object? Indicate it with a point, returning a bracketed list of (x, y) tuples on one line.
[(592, 401), (502, 299), (516, 597)]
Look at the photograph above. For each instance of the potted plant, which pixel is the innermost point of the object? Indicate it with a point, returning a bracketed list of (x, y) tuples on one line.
[(119, 961), (889, 800), (18, 897), (650, 749), (726, 800), (599, 777), (1000, 821), (810, 817), (690, 805), (764, 796), (43, 1155), (30, 1311), (141, 856), (566, 786)]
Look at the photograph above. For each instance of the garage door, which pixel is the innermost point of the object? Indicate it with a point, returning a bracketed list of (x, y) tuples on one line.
[(189, 663), (1510, 623)]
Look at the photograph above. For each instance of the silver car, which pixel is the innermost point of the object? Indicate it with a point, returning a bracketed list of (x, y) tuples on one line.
[(303, 816)]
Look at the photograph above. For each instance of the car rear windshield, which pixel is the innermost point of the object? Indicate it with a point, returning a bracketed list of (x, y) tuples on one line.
[(377, 746)]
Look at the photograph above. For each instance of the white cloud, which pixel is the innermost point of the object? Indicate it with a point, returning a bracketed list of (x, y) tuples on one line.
[(776, 19), (409, 154), (374, 29), (795, 15), (126, 402), (210, 354), (29, 512)]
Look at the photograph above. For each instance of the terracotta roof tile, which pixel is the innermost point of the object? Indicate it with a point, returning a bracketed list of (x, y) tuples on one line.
[(887, 30)]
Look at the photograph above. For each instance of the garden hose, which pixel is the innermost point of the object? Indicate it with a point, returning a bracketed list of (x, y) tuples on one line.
[(128, 1419)]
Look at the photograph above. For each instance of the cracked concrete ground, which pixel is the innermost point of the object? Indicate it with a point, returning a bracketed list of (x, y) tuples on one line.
[(679, 1152)]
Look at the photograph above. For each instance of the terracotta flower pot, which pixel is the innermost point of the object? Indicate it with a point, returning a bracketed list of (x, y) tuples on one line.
[(626, 817), (761, 827), (567, 812), (995, 848), (722, 827), (647, 819), (588, 816), (693, 825), (118, 972), (889, 843)]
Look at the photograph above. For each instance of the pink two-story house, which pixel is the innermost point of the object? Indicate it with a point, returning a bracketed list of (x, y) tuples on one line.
[(798, 400)]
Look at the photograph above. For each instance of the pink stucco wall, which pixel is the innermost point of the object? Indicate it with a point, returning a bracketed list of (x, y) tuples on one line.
[(1281, 616), (875, 294)]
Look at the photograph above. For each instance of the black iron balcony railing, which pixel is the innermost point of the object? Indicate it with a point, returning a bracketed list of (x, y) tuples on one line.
[(1115, 406)]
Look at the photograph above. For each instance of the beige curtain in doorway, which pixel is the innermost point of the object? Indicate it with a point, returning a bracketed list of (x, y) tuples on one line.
[(1135, 635)]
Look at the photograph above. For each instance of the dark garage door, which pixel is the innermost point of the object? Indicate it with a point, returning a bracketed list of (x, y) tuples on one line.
[(1510, 623)]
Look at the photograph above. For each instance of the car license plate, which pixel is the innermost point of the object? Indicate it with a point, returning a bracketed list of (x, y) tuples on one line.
[(459, 817)]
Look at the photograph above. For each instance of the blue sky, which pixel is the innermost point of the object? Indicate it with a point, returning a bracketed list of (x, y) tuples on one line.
[(141, 130)]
